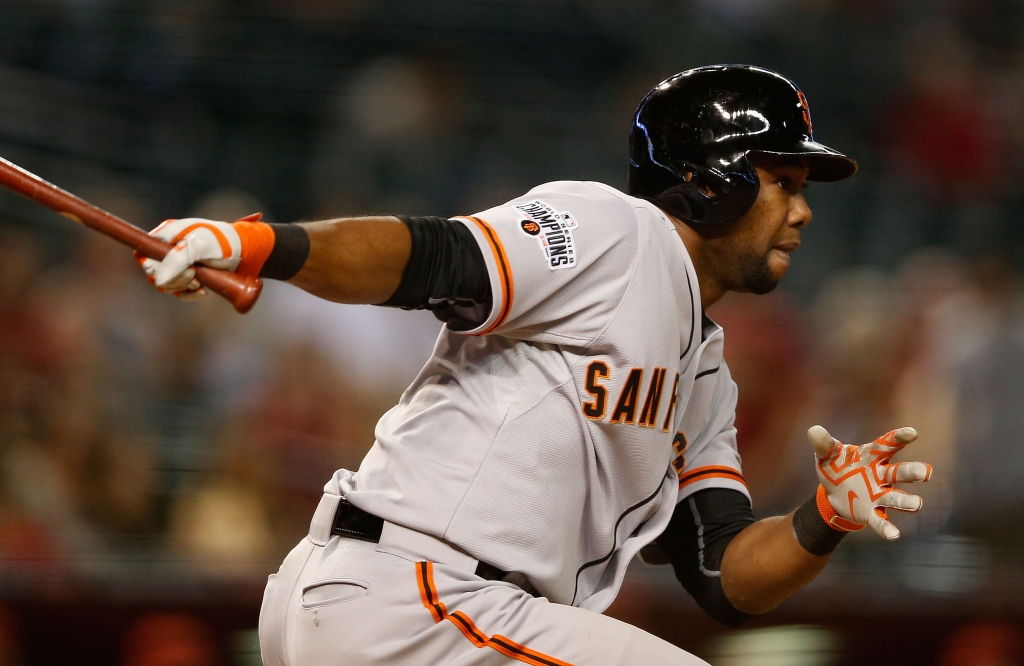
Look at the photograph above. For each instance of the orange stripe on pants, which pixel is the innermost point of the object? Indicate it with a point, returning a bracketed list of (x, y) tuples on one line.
[(506, 646)]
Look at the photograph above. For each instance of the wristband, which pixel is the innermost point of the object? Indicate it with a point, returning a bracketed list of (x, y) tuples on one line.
[(257, 244), (275, 251), (812, 529), (289, 254)]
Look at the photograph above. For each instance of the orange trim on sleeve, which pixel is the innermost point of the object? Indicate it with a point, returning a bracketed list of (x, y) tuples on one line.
[(497, 642), (710, 472), (257, 243), (505, 271)]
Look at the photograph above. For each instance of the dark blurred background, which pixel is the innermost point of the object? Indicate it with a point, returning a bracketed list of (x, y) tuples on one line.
[(157, 458)]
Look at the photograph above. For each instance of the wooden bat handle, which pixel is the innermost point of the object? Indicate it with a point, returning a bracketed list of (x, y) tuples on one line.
[(241, 291)]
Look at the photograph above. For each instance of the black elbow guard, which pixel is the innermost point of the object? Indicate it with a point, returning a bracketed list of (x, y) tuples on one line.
[(695, 540), (445, 273)]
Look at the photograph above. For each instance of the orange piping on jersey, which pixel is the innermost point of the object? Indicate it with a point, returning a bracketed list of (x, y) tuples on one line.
[(712, 475), (710, 472), (507, 283), (497, 642)]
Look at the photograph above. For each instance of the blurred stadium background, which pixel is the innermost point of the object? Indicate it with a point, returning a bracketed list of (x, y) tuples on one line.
[(157, 459)]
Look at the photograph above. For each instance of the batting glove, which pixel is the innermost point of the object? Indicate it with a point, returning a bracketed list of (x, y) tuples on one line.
[(856, 481), (241, 247)]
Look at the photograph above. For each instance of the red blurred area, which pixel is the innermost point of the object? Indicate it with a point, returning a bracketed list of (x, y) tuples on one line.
[(170, 640), (997, 643)]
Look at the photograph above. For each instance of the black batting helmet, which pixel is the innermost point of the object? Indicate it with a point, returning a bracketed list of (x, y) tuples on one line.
[(692, 134)]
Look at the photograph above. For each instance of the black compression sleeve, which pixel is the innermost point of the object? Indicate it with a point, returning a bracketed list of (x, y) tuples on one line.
[(695, 541), (445, 273)]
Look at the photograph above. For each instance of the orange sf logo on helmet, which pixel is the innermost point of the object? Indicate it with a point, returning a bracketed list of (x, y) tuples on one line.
[(807, 111)]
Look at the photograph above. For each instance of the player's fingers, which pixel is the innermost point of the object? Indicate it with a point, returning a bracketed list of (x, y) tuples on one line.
[(905, 435), (911, 472), (901, 501), (165, 231), (191, 294), (894, 440), (185, 282), (192, 284), (174, 264), (180, 282), (879, 522), (149, 265), (823, 443)]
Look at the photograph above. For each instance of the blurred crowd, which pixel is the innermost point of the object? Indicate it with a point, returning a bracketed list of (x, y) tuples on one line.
[(139, 434), (126, 416)]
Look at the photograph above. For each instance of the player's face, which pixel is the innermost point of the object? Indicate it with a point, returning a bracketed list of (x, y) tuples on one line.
[(755, 249)]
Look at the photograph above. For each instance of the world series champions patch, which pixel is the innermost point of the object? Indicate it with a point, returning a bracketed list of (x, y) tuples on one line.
[(553, 230)]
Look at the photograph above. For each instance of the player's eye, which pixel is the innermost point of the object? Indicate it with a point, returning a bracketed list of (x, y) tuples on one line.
[(791, 184)]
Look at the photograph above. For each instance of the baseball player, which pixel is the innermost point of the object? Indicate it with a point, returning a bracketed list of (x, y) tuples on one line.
[(576, 410)]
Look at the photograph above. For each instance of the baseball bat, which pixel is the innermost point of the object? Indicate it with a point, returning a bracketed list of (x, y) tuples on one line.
[(241, 291)]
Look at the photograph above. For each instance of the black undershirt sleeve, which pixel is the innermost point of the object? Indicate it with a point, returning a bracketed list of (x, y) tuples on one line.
[(695, 541), (445, 274)]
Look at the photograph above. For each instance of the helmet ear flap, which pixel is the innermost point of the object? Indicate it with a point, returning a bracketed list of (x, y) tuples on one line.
[(701, 185), (703, 196)]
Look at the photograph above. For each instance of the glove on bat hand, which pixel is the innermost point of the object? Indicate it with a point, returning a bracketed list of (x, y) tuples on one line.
[(856, 481), (241, 247)]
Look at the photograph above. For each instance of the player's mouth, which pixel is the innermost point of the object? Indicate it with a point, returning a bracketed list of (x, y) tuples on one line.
[(783, 250)]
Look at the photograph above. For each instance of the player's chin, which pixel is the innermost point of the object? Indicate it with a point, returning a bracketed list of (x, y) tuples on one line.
[(778, 262), (762, 275)]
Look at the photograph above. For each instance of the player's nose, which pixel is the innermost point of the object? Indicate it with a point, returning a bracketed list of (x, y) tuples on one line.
[(800, 214)]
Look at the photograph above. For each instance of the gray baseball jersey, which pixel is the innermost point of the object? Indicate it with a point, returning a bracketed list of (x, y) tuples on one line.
[(555, 438)]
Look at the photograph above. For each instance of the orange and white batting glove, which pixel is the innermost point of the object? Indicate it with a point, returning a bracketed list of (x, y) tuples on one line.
[(242, 247), (857, 481)]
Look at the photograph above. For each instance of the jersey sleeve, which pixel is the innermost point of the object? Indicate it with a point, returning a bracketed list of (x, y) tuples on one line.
[(710, 458), (559, 260)]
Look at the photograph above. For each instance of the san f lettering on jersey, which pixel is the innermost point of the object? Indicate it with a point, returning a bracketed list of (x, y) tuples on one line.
[(556, 437)]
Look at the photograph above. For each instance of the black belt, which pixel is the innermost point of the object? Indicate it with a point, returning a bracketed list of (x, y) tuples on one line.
[(352, 522)]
